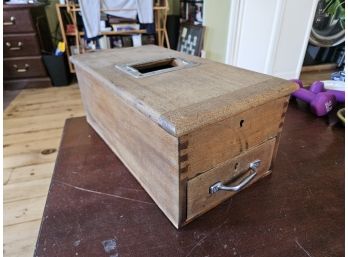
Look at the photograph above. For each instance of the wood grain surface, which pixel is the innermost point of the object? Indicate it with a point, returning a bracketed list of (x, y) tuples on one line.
[(149, 152), (33, 125), (219, 142), (199, 200), (186, 99)]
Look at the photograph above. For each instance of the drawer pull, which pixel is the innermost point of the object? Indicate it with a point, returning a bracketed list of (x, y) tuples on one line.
[(220, 186), (20, 70), (14, 48), (11, 22)]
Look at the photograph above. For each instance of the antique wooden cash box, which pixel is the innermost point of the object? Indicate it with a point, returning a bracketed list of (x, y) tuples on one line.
[(193, 132)]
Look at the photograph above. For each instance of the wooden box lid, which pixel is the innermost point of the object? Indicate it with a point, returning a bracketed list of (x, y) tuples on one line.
[(186, 98)]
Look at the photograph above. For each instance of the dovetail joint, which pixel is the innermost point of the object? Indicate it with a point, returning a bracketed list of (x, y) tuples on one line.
[(184, 169), (183, 145), (183, 158)]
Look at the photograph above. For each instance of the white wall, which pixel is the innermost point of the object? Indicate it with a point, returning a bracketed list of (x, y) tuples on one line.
[(270, 36), (216, 15)]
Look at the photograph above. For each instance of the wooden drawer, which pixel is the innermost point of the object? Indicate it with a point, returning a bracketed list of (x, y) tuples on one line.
[(21, 45), (17, 21), (233, 172), (24, 67)]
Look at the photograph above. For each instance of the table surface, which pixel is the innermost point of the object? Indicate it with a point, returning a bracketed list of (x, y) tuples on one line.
[(96, 208)]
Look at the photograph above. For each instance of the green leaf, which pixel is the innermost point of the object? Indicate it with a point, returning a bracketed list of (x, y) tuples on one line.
[(335, 8), (341, 14)]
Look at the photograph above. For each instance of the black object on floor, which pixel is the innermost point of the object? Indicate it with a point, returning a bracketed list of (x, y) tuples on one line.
[(57, 69)]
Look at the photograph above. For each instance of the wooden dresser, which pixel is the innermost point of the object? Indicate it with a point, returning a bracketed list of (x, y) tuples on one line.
[(26, 37)]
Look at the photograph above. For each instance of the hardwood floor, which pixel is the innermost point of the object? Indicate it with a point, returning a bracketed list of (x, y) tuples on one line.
[(33, 124), (309, 77)]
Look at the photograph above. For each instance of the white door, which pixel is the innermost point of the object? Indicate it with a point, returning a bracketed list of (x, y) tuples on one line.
[(270, 36)]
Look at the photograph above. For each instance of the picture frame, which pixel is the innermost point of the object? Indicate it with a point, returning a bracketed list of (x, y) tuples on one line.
[(191, 39)]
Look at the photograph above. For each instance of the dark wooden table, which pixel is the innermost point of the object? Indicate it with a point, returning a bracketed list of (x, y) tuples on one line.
[(96, 208)]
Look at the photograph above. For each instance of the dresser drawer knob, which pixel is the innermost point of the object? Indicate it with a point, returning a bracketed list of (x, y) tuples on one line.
[(11, 22), (220, 186), (19, 70), (14, 48)]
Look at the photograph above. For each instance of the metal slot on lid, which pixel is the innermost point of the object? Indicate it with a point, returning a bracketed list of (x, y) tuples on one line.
[(155, 67)]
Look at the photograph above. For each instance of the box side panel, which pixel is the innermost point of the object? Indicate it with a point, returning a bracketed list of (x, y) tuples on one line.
[(149, 153), (216, 143)]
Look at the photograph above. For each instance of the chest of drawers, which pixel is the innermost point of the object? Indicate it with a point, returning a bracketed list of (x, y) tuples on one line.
[(26, 37)]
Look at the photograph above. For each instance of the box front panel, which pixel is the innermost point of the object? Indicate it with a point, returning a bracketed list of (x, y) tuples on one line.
[(211, 145)]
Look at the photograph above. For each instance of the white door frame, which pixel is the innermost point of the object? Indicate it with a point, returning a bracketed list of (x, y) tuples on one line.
[(235, 26)]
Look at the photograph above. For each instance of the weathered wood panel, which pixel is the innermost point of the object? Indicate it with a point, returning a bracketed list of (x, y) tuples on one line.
[(199, 200), (216, 143), (149, 152), (183, 100)]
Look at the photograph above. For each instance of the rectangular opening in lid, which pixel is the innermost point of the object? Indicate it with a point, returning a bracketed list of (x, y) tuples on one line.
[(147, 67), (154, 67)]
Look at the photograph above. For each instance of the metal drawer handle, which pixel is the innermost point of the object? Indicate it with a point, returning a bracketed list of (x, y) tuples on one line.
[(14, 48), (220, 186), (11, 22), (19, 70)]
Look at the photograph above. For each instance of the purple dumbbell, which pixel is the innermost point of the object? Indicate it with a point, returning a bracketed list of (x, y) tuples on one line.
[(320, 103), (298, 82), (340, 96), (318, 87)]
